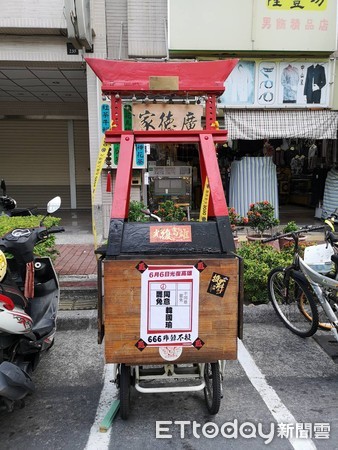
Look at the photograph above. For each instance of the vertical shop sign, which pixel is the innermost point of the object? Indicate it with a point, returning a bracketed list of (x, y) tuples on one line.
[(139, 155), (127, 117), (116, 152), (105, 117), (139, 158), (140, 150), (169, 305)]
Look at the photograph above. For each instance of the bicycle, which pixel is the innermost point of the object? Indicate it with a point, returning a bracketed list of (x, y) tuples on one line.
[(297, 291), (331, 239)]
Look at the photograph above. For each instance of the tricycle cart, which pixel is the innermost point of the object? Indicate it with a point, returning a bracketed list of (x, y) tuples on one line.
[(170, 294)]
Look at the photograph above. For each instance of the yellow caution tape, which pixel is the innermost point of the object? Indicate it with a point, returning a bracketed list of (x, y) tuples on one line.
[(205, 202), (103, 153)]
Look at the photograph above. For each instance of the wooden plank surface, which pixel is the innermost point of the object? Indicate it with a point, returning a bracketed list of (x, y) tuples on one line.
[(218, 316)]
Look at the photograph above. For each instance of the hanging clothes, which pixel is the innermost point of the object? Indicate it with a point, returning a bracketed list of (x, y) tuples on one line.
[(289, 81), (253, 179), (330, 199), (314, 82), (318, 185)]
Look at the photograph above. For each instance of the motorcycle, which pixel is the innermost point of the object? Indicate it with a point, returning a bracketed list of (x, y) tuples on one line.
[(29, 299), (8, 205)]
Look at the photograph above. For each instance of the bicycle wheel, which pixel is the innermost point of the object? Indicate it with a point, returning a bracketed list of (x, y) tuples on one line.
[(323, 322), (289, 306), (212, 390)]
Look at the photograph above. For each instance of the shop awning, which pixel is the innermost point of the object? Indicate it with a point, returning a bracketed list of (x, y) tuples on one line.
[(254, 124)]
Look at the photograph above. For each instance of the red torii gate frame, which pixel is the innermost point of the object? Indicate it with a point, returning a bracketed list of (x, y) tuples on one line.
[(128, 78)]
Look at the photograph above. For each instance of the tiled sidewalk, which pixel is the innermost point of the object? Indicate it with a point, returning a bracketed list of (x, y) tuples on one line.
[(80, 259), (76, 259)]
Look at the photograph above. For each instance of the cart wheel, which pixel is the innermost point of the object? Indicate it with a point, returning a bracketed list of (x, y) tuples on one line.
[(124, 391), (212, 390)]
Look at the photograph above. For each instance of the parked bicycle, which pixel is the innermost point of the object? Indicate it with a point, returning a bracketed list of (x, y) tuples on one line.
[(303, 298)]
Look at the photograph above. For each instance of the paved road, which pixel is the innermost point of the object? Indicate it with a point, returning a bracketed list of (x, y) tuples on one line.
[(288, 377)]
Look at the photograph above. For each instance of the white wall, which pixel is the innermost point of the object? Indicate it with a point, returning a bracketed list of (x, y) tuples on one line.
[(30, 14), (251, 25)]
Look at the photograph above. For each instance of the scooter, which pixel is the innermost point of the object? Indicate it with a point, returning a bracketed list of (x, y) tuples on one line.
[(8, 204), (29, 299)]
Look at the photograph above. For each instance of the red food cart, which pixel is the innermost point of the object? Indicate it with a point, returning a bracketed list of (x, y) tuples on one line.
[(170, 294)]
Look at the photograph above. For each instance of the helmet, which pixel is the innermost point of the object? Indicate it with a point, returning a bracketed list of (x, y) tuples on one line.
[(3, 265), (12, 318)]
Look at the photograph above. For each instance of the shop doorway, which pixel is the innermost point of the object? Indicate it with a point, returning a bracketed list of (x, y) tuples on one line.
[(301, 168)]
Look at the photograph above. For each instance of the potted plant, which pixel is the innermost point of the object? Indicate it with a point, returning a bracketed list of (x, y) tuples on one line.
[(261, 218), (169, 212), (288, 228), (235, 218), (136, 213)]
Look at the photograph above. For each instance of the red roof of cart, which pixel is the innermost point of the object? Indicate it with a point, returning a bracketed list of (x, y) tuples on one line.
[(182, 77)]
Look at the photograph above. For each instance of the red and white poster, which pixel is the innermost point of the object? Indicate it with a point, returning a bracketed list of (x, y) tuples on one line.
[(169, 305)]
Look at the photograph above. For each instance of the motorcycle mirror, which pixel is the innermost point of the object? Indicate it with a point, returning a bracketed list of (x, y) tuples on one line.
[(3, 187), (53, 205)]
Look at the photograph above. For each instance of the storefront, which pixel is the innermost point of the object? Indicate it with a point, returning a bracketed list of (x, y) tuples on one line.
[(42, 158), (282, 156)]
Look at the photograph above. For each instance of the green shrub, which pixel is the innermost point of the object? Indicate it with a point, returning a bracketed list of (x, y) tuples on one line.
[(169, 212), (45, 248), (135, 212), (259, 260), (290, 226)]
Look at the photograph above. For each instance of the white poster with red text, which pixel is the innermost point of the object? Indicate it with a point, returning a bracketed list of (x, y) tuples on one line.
[(169, 305)]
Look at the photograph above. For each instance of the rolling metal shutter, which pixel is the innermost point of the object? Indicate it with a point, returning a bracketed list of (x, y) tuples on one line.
[(34, 160), (35, 164)]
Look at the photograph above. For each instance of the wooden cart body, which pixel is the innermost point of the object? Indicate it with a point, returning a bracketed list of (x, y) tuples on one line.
[(218, 315)]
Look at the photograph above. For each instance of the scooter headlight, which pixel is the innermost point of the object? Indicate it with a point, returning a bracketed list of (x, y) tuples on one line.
[(3, 265)]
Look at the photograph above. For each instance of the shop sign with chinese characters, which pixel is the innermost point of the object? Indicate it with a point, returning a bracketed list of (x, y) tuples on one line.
[(301, 5), (139, 158), (170, 233), (169, 305), (300, 26), (295, 25), (166, 116)]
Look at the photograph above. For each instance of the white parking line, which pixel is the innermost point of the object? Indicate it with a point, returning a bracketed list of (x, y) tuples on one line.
[(98, 440), (270, 397)]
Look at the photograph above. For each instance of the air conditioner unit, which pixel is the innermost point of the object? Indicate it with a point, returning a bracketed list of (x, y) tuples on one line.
[(78, 21)]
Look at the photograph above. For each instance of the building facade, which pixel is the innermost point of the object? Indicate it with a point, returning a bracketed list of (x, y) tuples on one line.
[(52, 110)]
